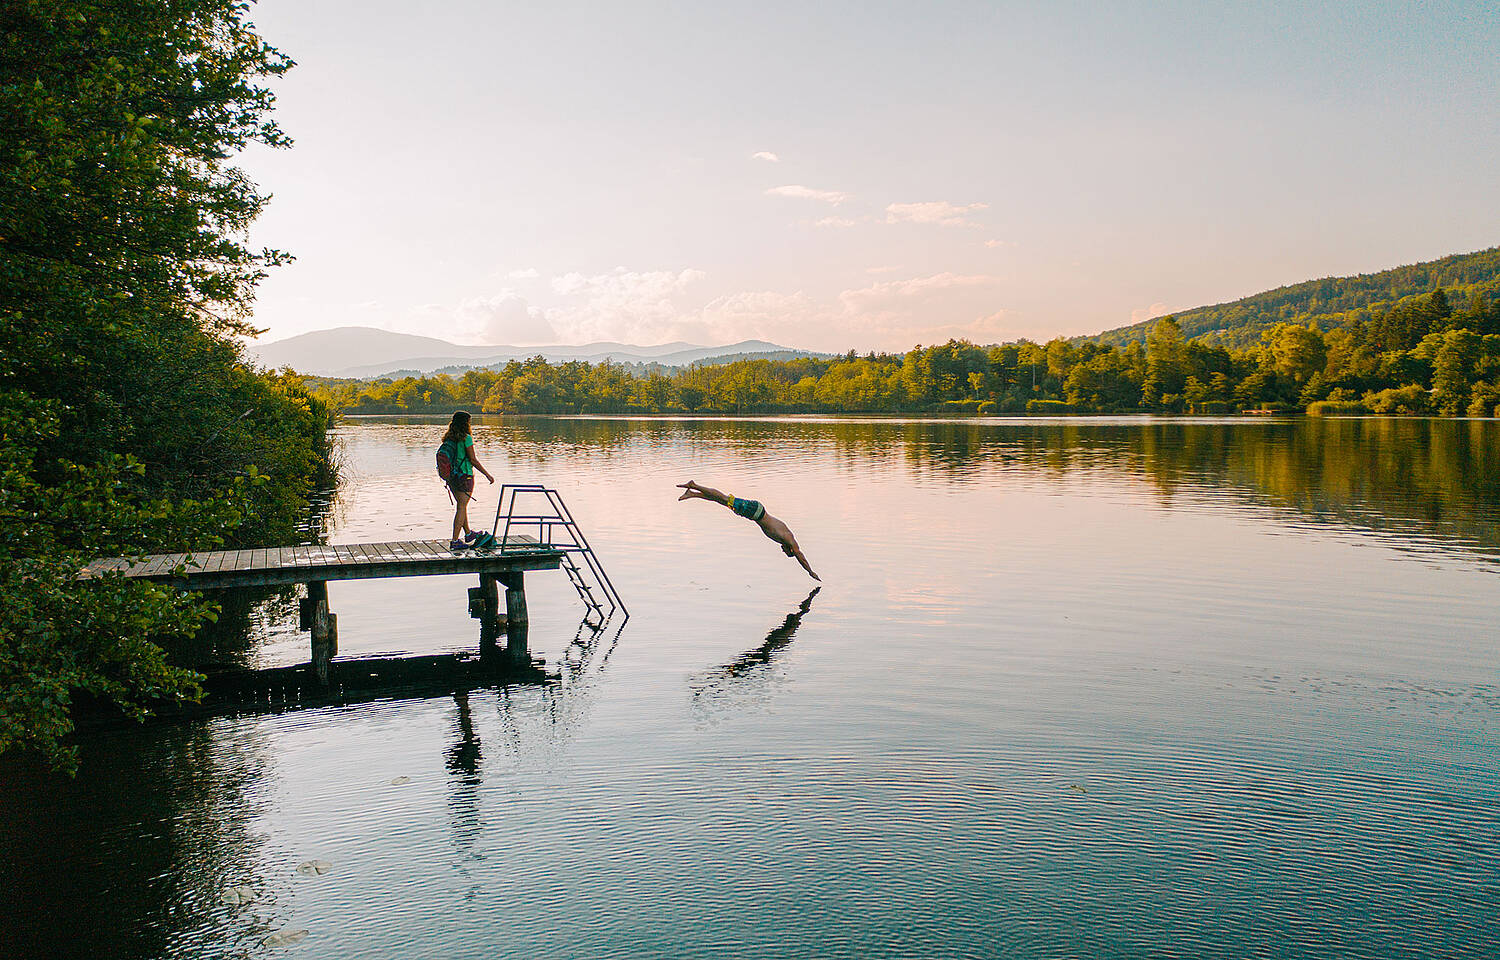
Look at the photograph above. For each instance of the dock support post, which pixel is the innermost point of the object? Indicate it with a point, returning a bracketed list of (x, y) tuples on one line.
[(486, 605), (324, 625), (515, 617)]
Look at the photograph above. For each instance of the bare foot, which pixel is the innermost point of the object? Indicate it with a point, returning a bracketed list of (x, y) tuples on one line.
[(690, 488)]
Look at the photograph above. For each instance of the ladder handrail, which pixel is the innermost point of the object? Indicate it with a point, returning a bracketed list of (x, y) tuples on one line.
[(547, 525), (588, 552)]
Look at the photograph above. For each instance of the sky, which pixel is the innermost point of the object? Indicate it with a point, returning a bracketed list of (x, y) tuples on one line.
[(865, 176)]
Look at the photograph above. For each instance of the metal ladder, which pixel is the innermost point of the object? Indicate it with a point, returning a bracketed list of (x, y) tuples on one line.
[(556, 528)]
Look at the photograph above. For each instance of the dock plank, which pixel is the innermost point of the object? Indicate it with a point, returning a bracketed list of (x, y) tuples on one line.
[(165, 563), (274, 566)]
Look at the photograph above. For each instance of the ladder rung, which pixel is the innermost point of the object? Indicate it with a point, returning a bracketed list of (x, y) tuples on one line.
[(561, 517)]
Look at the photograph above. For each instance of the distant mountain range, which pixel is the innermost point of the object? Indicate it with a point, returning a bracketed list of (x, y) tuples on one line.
[(1329, 301), (365, 353)]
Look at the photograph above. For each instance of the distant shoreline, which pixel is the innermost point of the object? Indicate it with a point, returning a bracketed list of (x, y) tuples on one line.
[(1278, 416)]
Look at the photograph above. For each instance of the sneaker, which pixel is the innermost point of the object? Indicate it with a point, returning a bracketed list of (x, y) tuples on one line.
[(457, 545), (473, 535)]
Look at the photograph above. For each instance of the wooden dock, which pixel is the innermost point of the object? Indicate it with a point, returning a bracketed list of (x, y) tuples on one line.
[(316, 565)]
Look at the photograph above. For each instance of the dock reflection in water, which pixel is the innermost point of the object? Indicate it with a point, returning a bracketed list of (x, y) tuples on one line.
[(1106, 687)]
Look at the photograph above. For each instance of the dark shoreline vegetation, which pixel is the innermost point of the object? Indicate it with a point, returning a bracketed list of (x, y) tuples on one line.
[(129, 422), (1421, 355)]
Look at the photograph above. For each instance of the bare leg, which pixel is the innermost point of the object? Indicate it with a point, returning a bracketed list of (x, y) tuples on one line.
[(692, 491), (460, 514)]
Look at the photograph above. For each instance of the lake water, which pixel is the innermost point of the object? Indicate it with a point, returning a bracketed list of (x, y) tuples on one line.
[(1071, 688)]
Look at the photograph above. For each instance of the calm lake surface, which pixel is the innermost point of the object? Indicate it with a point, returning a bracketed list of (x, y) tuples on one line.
[(1071, 688)]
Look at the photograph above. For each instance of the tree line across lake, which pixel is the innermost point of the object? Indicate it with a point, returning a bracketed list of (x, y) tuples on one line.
[(1421, 355)]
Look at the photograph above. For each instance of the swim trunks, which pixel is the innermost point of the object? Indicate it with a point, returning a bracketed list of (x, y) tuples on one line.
[(749, 509)]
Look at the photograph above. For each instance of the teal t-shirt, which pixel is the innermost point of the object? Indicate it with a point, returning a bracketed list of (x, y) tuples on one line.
[(462, 464)]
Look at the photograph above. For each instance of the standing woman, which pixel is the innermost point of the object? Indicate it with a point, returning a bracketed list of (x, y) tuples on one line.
[(460, 441)]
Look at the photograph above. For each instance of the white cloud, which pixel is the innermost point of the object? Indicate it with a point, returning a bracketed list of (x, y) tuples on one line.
[(528, 274), (627, 305), (798, 191), (999, 243), (502, 319), (939, 212), (888, 293), (835, 222), (892, 315), (765, 155), (1148, 313), (656, 306)]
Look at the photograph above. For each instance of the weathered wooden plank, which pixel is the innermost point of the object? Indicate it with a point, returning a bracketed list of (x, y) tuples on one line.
[(408, 550), (399, 551), (165, 563), (272, 566), (317, 555)]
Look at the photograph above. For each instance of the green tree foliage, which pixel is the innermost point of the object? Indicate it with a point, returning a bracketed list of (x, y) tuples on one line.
[(1468, 280), (1166, 365), (130, 423), (1290, 366)]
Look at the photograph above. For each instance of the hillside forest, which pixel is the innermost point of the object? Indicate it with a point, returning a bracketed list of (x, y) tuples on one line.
[(1424, 354)]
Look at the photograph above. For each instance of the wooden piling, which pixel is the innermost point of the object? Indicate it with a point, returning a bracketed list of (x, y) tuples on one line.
[(325, 628), (489, 615), (516, 622)]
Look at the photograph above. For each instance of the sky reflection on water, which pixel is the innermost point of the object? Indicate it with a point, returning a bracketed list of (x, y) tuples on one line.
[(1093, 688)]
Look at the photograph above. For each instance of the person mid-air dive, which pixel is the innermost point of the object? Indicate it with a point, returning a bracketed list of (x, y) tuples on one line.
[(754, 511)]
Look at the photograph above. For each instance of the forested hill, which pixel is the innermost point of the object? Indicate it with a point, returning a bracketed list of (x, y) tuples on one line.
[(1330, 302)]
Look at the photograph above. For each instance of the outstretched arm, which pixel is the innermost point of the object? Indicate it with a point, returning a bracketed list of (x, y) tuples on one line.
[(782, 534), (797, 552), (694, 491)]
